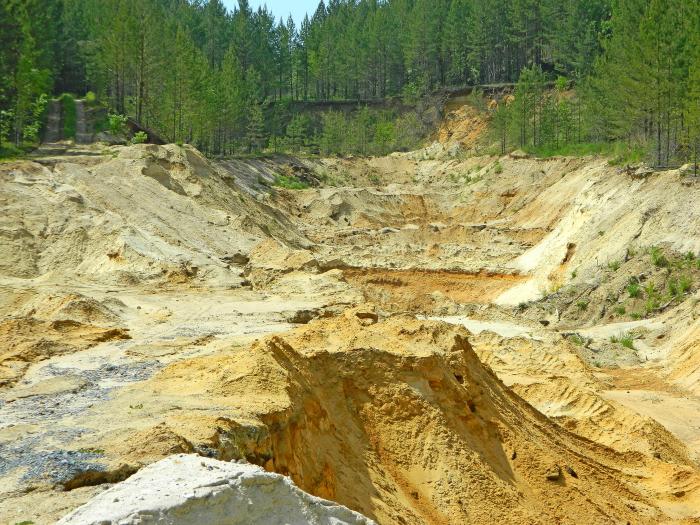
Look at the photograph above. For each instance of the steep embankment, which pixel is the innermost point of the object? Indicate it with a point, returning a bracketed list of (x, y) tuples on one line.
[(142, 213), (549, 221)]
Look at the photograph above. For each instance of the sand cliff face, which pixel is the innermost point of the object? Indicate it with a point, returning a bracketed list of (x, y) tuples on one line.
[(155, 303), (398, 419)]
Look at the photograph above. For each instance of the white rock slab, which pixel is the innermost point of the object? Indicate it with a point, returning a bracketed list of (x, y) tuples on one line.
[(187, 489)]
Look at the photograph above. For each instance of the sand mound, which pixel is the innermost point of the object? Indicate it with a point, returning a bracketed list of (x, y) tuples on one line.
[(72, 307), (191, 490), (396, 419), (550, 376), (190, 221)]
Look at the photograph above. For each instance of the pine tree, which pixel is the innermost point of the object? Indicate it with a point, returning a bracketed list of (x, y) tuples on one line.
[(255, 131)]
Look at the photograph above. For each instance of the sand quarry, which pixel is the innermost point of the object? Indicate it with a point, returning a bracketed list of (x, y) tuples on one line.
[(418, 338)]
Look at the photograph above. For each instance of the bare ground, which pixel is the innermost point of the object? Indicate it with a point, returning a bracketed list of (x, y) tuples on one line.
[(150, 298)]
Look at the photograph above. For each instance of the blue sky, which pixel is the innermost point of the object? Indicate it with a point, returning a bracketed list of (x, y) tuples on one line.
[(282, 8)]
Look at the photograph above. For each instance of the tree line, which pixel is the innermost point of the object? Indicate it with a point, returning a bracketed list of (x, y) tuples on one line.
[(196, 72), (223, 80), (642, 90)]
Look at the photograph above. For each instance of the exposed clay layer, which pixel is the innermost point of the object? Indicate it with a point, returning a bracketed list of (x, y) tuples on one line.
[(424, 290)]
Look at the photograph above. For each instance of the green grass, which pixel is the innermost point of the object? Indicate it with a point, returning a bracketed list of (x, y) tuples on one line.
[(651, 305), (658, 258), (625, 340), (69, 115), (497, 168), (614, 265), (9, 151), (618, 152), (620, 310), (290, 182), (673, 288), (582, 305), (634, 290), (684, 284), (577, 339), (650, 290)]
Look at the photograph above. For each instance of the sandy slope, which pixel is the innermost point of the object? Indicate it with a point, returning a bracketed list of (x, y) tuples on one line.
[(140, 286)]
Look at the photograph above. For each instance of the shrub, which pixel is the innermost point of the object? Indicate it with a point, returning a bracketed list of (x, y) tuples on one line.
[(614, 265), (290, 182), (673, 287), (577, 339), (582, 305), (90, 98), (139, 137), (650, 291), (684, 284), (620, 310), (117, 124), (8, 150), (627, 341), (651, 305), (573, 274), (636, 316), (634, 290), (497, 168), (658, 258)]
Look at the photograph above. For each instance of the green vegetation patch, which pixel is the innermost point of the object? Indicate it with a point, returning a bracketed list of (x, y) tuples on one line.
[(626, 340), (140, 137), (290, 182), (658, 258)]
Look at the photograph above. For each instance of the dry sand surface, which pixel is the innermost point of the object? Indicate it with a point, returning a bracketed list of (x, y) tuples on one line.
[(421, 338)]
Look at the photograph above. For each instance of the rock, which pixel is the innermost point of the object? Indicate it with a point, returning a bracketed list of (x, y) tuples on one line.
[(553, 473), (518, 154), (110, 139), (302, 316), (188, 489), (687, 170), (571, 472), (642, 172), (368, 317), (275, 256), (237, 258)]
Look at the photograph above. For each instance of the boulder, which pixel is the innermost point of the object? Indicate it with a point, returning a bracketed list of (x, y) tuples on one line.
[(187, 489)]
